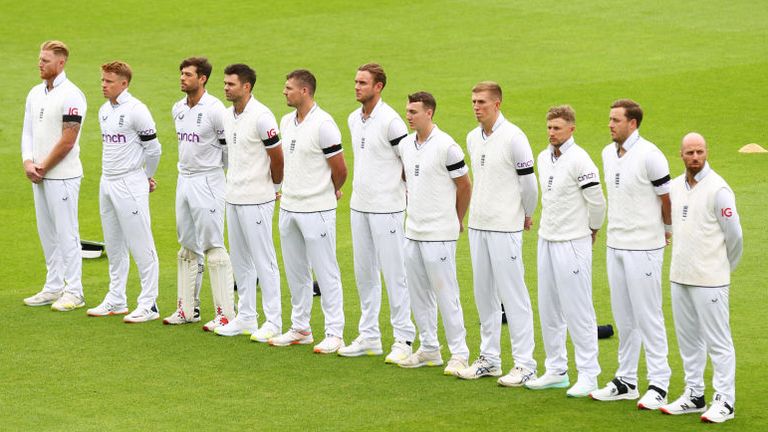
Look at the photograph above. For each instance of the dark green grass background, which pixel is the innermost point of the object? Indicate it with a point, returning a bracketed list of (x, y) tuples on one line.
[(692, 65)]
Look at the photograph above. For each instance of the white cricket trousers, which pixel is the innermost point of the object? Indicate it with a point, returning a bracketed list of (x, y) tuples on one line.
[(308, 241), (377, 243), (498, 278), (252, 252), (200, 211), (565, 305), (702, 327), (634, 278), (124, 208), (56, 213), (431, 271)]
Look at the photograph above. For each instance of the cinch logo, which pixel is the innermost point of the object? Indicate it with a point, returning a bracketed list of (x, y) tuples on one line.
[(113, 138), (586, 177), (188, 137), (146, 132), (526, 164)]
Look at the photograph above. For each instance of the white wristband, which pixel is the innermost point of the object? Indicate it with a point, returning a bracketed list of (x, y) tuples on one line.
[(277, 186), (668, 228)]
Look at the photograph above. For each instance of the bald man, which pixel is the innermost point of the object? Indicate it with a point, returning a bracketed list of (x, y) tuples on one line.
[(706, 249)]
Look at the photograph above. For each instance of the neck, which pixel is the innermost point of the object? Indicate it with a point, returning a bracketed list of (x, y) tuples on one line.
[(303, 109), (423, 134), (194, 98), (240, 104), (488, 125), (49, 81), (369, 105), (690, 177)]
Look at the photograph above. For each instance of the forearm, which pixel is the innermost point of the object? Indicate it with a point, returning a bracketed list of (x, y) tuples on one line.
[(595, 206), (62, 148), (529, 192)]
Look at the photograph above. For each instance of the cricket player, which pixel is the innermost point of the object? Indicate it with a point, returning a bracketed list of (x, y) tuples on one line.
[(314, 173), (504, 197), (639, 224), (439, 190), (377, 215), (50, 151), (131, 153), (707, 247), (199, 118), (253, 181), (572, 212)]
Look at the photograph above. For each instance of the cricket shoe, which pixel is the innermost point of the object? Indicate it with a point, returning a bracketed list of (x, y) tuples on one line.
[(42, 298), (68, 302), (292, 337), (652, 399), (583, 387), (517, 377), (480, 368), (362, 347), (455, 364), (107, 309), (685, 404), (140, 315), (719, 412), (422, 358), (617, 389), (265, 333), (329, 345), (179, 317), (400, 351), (218, 321), (236, 327), (549, 380)]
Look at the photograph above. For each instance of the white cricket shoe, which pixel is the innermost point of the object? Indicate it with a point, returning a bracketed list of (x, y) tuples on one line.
[(455, 364), (652, 399), (265, 333), (361, 346), (480, 368), (42, 298), (719, 412), (292, 337), (179, 317), (549, 380), (218, 321), (329, 345), (685, 404), (68, 302), (236, 327), (140, 315), (422, 358), (107, 309), (400, 351), (617, 389), (583, 387), (517, 377)]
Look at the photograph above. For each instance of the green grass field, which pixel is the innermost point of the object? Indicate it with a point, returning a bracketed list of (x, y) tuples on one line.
[(692, 65)]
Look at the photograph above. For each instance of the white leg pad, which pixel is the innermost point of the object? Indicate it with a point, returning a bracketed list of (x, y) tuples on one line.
[(187, 273), (222, 282)]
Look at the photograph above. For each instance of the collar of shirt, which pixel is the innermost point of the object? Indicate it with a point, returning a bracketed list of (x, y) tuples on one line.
[(122, 98), (563, 148), (699, 175), (60, 78), (630, 141), (499, 121), (234, 113), (201, 101), (431, 134), (373, 112), (296, 114)]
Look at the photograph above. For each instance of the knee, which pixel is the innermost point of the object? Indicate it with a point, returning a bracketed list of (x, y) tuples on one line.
[(186, 254), (217, 256)]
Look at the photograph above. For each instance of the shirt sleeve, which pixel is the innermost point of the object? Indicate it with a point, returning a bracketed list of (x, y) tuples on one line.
[(73, 107), (728, 218), (26, 133), (657, 167), (454, 162), (266, 126), (589, 182), (330, 138), (147, 132), (522, 157), (397, 131), (217, 121)]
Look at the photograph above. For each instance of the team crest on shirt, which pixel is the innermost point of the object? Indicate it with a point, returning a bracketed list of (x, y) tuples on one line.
[(234, 138), (617, 179), (121, 121), (685, 212), (482, 160), (416, 170), (292, 146), (549, 182), (199, 118), (362, 142), (42, 111)]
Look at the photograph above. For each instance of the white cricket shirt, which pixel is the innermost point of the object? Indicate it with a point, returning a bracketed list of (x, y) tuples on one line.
[(200, 134)]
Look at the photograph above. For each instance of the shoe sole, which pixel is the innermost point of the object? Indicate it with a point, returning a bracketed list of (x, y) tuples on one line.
[(614, 398), (506, 384), (707, 420), (40, 304), (139, 322), (647, 407), (550, 386), (95, 315), (694, 411), (68, 309), (369, 353), (474, 377), (301, 342), (242, 332), (422, 364), (168, 322), (319, 351)]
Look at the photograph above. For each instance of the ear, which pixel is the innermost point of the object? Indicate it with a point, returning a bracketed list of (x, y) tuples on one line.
[(203, 79), (378, 87)]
